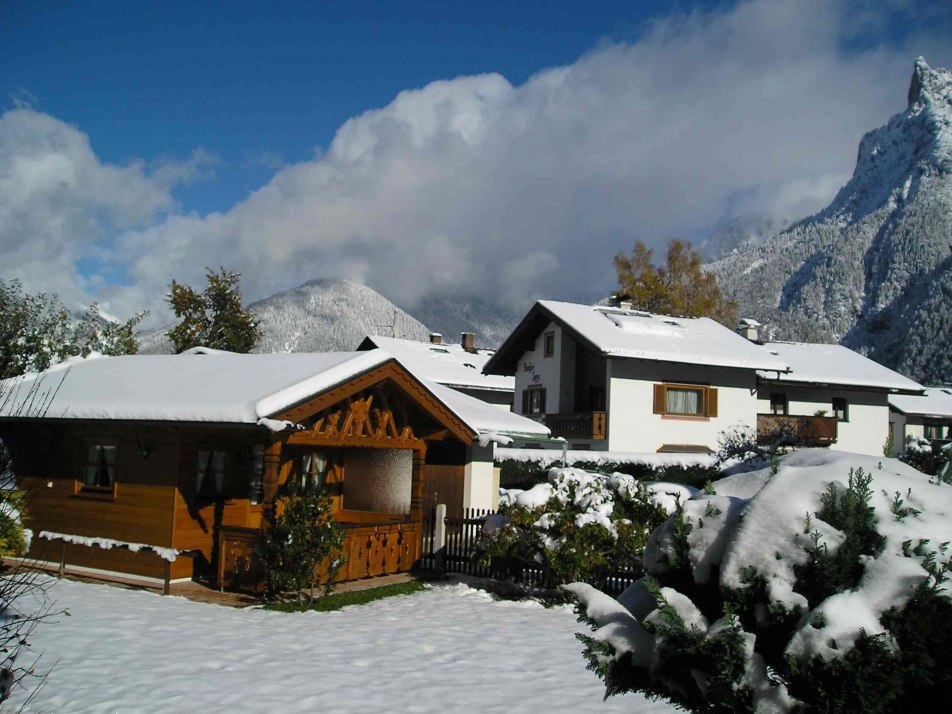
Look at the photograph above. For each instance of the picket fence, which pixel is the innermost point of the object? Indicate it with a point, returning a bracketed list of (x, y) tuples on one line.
[(450, 547)]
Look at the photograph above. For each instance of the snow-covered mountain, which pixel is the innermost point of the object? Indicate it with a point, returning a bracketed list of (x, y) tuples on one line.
[(450, 316), (323, 315), (873, 270)]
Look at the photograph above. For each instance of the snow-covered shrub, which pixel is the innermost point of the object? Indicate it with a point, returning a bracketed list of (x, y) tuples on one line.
[(826, 590), (302, 544), (13, 537), (577, 525), (930, 457), (739, 449), (525, 473)]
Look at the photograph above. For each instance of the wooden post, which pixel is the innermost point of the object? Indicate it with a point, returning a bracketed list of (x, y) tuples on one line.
[(62, 567), (439, 536), (168, 576)]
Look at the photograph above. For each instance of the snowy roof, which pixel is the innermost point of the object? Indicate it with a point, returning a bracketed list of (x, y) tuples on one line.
[(615, 332), (223, 387), (198, 386), (447, 364), (834, 365), (484, 418), (936, 402)]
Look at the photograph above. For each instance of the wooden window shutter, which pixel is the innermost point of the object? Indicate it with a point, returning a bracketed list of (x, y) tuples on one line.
[(542, 402), (712, 402), (525, 401), (659, 391)]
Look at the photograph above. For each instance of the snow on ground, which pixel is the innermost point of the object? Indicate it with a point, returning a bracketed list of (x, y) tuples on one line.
[(450, 648)]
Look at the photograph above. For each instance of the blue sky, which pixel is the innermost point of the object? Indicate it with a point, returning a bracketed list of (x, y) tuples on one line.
[(260, 84), (481, 148)]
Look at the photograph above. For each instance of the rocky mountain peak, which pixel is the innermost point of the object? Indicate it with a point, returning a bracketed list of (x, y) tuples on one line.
[(930, 86), (872, 270)]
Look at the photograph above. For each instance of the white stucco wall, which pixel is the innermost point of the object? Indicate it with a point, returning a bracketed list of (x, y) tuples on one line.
[(867, 428), (535, 369), (632, 425), (480, 479)]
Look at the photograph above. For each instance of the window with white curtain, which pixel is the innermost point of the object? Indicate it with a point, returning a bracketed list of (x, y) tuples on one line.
[(681, 400)]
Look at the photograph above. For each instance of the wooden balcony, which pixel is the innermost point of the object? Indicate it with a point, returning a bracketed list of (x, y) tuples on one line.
[(581, 425), (796, 430)]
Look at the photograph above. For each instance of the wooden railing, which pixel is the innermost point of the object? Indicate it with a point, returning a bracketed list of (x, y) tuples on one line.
[(581, 425), (371, 548), (796, 430)]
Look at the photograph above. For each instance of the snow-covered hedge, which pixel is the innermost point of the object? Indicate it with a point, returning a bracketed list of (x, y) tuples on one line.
[(576, 525), (521, 468), (826, 587), (930, 457)]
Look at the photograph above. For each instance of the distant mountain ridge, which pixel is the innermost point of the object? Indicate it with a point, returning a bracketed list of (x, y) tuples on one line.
[(324, 315), (873, 270)]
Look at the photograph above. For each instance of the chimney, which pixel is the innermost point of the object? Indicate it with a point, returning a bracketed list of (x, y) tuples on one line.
[(436, 338), (468, 340), (749, 329)]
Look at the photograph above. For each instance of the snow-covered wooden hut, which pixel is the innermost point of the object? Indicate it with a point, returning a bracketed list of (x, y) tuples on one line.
[(177, 457)]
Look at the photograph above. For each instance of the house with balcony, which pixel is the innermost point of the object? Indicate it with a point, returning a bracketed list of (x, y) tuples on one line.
[(616, 379), (927, 416), (832, 396)]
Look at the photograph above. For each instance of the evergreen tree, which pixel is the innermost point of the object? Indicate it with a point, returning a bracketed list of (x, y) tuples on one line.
[(212, 318), (681, 287), (301, 545), (36, 331)]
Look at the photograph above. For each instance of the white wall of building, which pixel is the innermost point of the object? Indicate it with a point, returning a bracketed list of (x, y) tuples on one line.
[(866, 430), (632, 425), (536, 369), (480, 479)]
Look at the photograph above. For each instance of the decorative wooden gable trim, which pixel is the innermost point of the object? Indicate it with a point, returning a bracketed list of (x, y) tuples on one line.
[(399, 376), (358, 422)]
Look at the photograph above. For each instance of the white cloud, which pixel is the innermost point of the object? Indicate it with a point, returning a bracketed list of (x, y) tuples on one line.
[(476, 186)]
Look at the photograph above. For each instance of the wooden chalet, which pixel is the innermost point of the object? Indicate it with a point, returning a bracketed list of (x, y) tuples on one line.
[(173, 460)]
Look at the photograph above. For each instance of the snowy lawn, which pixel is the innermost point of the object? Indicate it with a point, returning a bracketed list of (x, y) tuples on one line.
[(450, 648)]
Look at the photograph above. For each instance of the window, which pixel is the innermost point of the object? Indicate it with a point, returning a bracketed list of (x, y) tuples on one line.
[(99, 467), (840, 409), (256, 488), (311, 468), (548, 344), (533, 401), (933, 431), (778, 404), (688, 400), (211, 474)]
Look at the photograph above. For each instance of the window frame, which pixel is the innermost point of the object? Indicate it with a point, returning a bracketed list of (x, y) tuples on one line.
[(222, 494), (845, 410), (81, 487), (776, 398), (708, 401), (529, 395), (928, 428), (548, 344)]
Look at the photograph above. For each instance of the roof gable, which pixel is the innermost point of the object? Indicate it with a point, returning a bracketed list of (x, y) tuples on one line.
[(632, 334)]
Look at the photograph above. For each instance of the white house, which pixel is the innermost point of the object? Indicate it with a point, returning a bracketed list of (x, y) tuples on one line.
[(832, 395), (623, 380), (458, 366), (928, 416)]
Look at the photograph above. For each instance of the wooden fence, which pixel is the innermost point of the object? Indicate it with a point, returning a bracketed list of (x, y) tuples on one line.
[(449, 546)]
